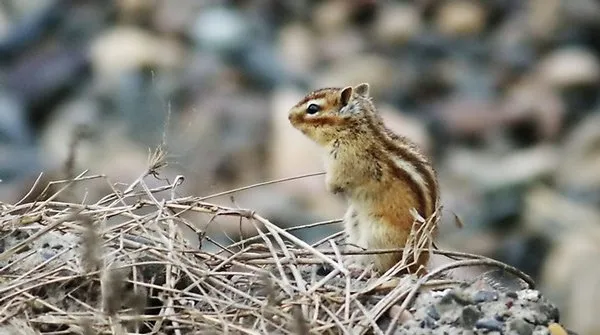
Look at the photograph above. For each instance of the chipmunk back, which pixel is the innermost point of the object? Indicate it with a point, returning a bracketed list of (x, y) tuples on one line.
[(382, 174)]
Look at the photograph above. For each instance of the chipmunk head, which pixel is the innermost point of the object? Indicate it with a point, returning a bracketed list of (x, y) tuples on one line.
[(328, 113)]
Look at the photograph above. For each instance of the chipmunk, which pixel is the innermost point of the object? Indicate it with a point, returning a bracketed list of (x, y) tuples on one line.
[(383, 175)]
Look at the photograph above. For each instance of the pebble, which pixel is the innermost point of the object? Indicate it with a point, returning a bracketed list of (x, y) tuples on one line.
[(64, 69), (469, 316), (433, 313), (521, 327), (221, 30), (578, 174), (428, 322), (550, 312), (556, 329), (331, 16), (461, 297), (512, 295), (530, 295), (35, 24), (543, 18), (484, 296), (123, 49), (570, 66), (460, 18), (296, 47), (489, 324), (398, 24), (371, 68)]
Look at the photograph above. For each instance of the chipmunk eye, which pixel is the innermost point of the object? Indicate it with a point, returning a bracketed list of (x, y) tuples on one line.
[(312, 108)]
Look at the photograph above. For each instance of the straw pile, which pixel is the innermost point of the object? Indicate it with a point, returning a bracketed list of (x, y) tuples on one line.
[(122, 265)]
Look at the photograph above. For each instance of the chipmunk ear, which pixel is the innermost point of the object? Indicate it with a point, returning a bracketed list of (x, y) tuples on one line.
[(362, 90), (346, 95)]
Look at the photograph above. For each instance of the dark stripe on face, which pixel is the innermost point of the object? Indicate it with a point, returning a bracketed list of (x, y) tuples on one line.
[(329, 120)]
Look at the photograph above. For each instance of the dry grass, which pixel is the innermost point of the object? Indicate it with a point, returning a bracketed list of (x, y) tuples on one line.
[(139, 274)]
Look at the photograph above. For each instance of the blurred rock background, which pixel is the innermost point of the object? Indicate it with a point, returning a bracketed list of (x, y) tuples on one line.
[(503, 94)]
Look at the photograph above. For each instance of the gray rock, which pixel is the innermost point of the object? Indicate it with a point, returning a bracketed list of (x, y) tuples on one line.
[(433, 313), (469, 316), (521, 327), (489, 324), (461, 297), (484, 296)]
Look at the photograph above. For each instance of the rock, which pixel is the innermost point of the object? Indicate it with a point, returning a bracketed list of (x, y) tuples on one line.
[(557, 217), (5, 24), (582, 12), (484, 296), (14, 128), (469, 317), (489, 324), (397, 24), (123, 49), (64, 70), (467, 118), (340, 45), (489, 171), (526, 252), (297, 46), (529, 295), (433, 313), (63, 247), (520, 327), (352, 70), (511, 48), (578, 173), (550, 313), (540, 330), (264, 70), (575, 253), (331, 16), (22, 8), (176, 17), (516, 315), (533, 112), (512, 294), (221, 30), (135, 10), (38, 19), (60, 129), (461, 297), (460, 18), (544, 18), (20, 159), (428, 323), (570, 66), (556, 329)]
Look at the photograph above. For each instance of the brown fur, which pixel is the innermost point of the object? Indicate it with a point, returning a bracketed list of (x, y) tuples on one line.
[(382, 174)]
